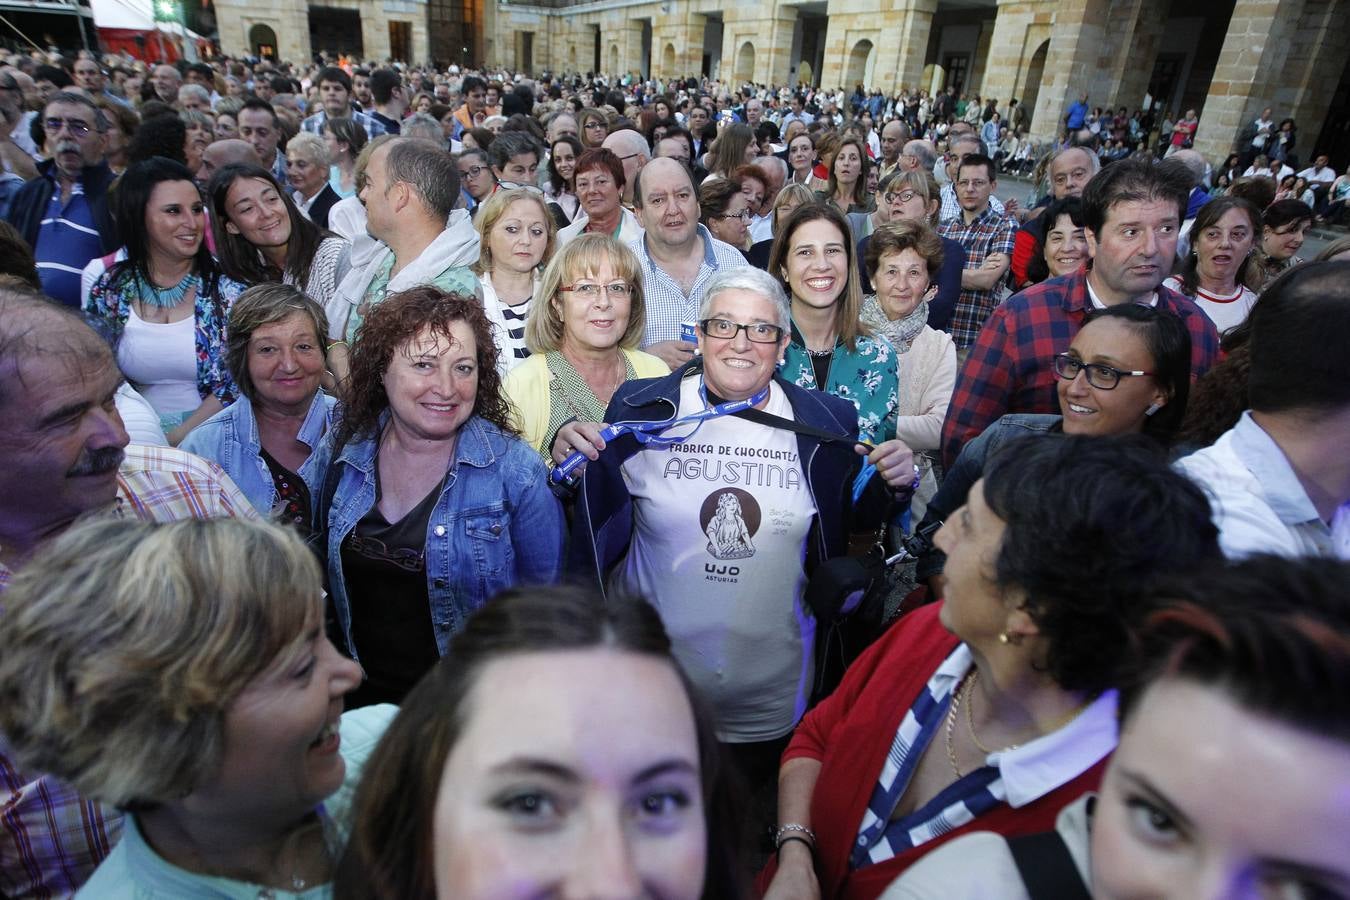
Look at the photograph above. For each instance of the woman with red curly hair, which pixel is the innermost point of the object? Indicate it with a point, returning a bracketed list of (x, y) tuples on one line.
[(432, 504)]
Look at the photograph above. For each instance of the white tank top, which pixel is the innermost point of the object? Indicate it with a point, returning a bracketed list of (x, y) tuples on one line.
[(161, 361)]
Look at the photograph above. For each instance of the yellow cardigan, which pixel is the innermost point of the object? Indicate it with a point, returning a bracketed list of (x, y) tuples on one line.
[(527, 389)]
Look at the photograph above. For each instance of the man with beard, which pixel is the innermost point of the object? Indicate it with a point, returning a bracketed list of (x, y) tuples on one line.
[(64, 455), (63, 213)]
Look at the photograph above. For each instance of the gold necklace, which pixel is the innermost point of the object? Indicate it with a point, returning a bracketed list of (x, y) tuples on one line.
[(970, 717), (951, 727)]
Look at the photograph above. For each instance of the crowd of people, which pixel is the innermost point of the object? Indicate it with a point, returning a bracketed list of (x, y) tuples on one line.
[(423, 482)]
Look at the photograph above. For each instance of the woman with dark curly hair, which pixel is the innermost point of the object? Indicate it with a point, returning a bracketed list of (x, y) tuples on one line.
[(433, 504), (633, 752), (992, 710)]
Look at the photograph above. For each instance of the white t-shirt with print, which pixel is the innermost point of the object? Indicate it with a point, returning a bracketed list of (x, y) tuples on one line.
[(721, 522)]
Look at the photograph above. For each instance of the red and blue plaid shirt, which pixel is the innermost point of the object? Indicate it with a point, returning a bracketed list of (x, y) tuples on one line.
[(1010, 368), (990, 233)]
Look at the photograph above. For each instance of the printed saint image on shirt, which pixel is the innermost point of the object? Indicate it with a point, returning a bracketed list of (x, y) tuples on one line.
[(730, 518)]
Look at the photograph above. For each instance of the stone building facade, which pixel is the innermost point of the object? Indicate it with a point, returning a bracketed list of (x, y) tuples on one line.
[(296, 30), (1226, 58)]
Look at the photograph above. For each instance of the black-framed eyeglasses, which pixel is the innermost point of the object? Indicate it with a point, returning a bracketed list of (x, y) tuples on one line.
[(595, 125), (472, 172), (1099, 376), (77, 127), (757, 332), (902, 196)]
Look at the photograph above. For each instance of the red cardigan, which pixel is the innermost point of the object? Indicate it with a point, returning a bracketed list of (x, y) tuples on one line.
[(851, 732)]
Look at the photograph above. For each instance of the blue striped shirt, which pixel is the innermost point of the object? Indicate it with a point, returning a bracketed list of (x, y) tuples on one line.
[(67, 239)]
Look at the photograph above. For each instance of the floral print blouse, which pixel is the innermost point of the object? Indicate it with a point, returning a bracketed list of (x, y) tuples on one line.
[(110, 300), (867, 375)]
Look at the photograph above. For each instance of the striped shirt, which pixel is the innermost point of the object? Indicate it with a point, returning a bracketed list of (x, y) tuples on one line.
[(513, 341), (1015, 776), (67, 239)]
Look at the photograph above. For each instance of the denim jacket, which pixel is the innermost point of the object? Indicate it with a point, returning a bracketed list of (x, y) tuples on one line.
[(496, 524), (230, 439), (603, 528)]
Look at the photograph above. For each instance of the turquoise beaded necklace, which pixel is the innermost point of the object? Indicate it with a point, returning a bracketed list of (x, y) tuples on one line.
[(165, 298)]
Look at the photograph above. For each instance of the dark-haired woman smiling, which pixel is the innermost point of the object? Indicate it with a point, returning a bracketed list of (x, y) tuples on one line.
[(168, 302), (993, 710)]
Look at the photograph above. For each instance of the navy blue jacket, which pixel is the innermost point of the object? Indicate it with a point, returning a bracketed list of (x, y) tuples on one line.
[(30, 203), (603, 527)]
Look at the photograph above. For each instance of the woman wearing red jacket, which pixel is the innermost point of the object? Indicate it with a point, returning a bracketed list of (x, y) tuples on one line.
[(994, 709)]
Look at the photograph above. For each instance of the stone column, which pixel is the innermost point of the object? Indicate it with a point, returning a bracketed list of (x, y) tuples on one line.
[(1075, 42), (909, 24), (980, 60), (768, 28), (1018, 31), (1129, 51), (1251, 65)]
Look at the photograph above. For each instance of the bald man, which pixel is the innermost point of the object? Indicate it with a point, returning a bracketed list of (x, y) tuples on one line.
[(632, 150), (223, 153)]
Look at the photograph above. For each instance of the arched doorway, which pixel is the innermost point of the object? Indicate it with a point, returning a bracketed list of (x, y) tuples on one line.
[(263, 41), (614, 61), (668, 62), (1032, 89), (860, 63), (745, 63)]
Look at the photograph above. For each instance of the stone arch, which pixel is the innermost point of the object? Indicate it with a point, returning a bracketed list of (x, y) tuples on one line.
[(261, 37), (614, 61), (1032, 82), (860, 63), (668, 61), (745, 63)]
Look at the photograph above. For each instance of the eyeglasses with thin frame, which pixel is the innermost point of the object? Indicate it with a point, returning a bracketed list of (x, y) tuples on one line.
[(743, 215), (756, 332), (77, 127), (614, 289), (594, 125), (1100, 376)]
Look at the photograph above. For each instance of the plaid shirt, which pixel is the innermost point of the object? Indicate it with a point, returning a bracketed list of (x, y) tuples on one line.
[(667, 305), (1010, 367), (51, 838), (991, 232), (374, 127)]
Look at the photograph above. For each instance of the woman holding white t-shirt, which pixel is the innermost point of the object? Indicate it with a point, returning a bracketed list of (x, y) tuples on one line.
[(1215, 271), (719, 522)]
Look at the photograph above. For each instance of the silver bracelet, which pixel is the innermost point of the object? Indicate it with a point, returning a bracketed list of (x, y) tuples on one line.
[(791, 829)]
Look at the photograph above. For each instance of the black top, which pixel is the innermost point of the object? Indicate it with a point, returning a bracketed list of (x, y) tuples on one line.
[(384, 565), (292, 495)]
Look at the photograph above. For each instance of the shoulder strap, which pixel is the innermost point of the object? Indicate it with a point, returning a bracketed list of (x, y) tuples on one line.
[(761, 417), (1046, 866)]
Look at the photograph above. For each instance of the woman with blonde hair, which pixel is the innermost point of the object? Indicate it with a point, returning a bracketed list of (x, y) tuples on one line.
[(517, 236), (181, 673), (583, 341), (594, 127), (789, 198)]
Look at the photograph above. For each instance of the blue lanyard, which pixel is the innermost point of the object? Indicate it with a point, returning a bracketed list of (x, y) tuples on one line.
[(653, 433)]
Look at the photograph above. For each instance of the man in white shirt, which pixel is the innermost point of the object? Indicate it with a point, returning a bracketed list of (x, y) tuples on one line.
[(1279, 480), (678, 257)]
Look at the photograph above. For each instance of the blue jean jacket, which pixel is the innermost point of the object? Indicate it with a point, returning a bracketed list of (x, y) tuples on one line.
[(230, 439), (495, 526)]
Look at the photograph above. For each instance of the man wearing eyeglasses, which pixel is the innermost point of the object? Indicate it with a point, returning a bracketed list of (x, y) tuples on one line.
[(63, 213), (1133, 241), (679, 257)]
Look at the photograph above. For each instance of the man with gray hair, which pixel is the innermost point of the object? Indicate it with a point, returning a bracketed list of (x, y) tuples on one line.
[(410, 192), (632, 150), (65, 455), (1070, 170), (63, 213), (918, 154), (194, 96), (761, 224)]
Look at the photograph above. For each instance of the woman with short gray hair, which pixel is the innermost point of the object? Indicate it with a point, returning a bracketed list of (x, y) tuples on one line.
[(181, 672), (717, 518), (307, 169)]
